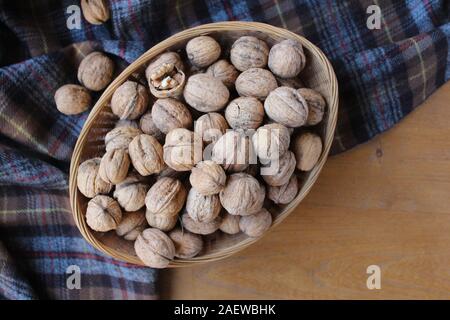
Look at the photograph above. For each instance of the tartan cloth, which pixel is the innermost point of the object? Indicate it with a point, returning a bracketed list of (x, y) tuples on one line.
[(383, 75)]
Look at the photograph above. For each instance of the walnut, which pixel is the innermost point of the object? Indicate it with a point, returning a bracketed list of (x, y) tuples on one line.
[(270, 121), (103, 213), (224, 71), (154, 248), (130, 100), (202, 208), (166, 197), (169, 172), (120, 137), (230, 224), (295, 82), (307, 148), (285, 193), (234, 151), (202, 51), (245, 113), (130, 193), (167, 81), (208, 178), (211, 126), (255, 225), (131, 225), (169, 113), (114, 166), (72, 99), (316, 105), (286, 106), (127, 123), (205, 93), (161, 222), (146, 154), (278, 171), (286, 59), (147, 125), (243, 195), (187, 244), (256, 82), (164, 58), (96, 71), (95, 11), (249, 52), (271, 141), (183, 149), (197, 227), (89, 181)]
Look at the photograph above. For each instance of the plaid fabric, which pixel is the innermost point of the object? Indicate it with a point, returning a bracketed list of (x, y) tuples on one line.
[(383, 75)]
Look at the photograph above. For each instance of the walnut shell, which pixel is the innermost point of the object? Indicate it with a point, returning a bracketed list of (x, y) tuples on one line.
[(114, 166), (295, 82), (187, 244), (245, 113), (285, 193), (256, 82), (147, 125), (278, 171), (183, 149), (316, 105), (96, 71), (243, 195), (163, 223), (146, 154), (72, 99), (169, 172), (230, 224), (127, 123), (166, 197), (202, 208), (89, 181), (286, 59), (164, 58), (224, 71), (307, 148), (286, 106), (103, 213), (234, 151), (208, 178), (203, 51), (203, 228), (257, 224), (130, 100), (132, 224), (211, 126), (95, 11), (120, 137), (271, 141), (130, 193), (167, 81), (169, 113), (154, 248), (249, 52), (205, 93)]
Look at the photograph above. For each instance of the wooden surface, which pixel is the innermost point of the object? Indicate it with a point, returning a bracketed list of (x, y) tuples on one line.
[(385, 203)]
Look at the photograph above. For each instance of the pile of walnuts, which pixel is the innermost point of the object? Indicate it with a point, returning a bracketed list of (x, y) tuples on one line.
[(203, 146)]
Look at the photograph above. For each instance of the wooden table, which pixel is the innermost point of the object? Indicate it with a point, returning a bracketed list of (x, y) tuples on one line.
[(385, 203)]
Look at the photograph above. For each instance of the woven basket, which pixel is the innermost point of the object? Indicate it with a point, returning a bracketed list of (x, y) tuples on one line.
[(318, 75)]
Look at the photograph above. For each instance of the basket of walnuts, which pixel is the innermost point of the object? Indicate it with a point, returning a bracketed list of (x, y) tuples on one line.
[(204, 143)]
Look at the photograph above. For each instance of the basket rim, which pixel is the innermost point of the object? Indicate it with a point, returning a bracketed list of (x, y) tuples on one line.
[(147, 56)]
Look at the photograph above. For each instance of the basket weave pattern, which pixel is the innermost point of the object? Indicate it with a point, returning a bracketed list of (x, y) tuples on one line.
[(318, 75)]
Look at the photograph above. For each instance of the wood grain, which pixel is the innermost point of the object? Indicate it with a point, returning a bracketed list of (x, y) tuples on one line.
[(385, 203)]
